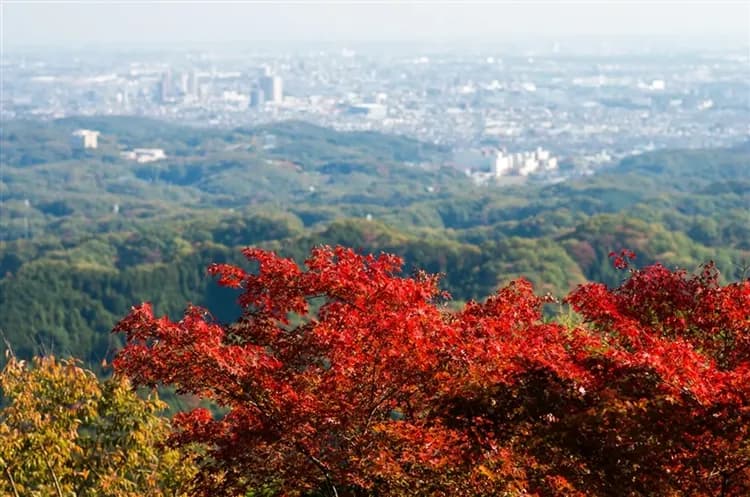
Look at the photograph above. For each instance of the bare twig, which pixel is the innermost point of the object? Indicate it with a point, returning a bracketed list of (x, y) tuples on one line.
[(7, 344)]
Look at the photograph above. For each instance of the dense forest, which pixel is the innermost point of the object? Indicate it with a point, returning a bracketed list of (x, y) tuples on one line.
[(579, 338), (88, 234)]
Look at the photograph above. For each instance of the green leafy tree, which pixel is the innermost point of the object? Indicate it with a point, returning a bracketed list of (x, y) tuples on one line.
[(67, 434)]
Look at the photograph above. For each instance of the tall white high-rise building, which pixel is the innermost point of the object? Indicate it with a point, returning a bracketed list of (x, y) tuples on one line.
[(84, 138), (185, 83), (165, 86), (257, 97), (272, 87), (503, 164), (193, 84)]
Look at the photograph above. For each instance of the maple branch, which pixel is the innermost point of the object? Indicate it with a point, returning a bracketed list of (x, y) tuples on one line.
[(373, 376), (382, 399), (333, 297), (320, 465), (727, 476)]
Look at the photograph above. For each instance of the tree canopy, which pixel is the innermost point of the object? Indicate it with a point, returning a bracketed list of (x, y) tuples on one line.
[(343, 377), (65, 433)]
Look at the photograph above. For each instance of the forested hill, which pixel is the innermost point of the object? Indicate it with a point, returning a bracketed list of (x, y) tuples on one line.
[(87, 235)]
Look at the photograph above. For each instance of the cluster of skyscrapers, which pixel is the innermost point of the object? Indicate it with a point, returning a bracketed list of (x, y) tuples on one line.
[(187, 87), (268, 88)]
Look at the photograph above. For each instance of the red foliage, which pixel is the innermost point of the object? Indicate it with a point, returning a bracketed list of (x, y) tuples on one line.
[(345, 377), (622, 260)]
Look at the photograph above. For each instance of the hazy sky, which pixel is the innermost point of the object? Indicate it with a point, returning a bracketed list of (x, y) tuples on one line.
[(67, 23)]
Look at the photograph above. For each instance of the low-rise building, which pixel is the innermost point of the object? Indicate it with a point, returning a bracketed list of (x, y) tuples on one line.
[(500, 163), (143, 155), (369, 110)]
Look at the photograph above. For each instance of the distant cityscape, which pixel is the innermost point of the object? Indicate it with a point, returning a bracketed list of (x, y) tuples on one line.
[(539, 112)]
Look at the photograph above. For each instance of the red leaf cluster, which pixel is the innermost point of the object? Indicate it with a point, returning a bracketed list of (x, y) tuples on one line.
[(622, 260), (346, 378)]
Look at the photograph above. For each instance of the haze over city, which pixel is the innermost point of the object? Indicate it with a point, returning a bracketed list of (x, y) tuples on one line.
[(593, 82), (62, 23)]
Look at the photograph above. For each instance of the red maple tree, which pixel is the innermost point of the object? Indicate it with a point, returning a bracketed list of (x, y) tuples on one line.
[(345, 378)]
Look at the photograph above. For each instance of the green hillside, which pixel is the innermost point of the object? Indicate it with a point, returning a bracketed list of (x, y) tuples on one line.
[(100, 233)]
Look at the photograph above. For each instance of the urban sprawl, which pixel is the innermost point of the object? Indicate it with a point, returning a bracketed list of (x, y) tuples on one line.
[(546, 112)]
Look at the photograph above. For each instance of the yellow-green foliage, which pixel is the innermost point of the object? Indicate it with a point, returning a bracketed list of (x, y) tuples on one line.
[(65, 433)]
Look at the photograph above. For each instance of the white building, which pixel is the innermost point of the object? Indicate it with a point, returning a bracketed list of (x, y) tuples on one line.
[(84, 138), (541, 154), (500, 163), (193, 84), (165, 86), (144, 155), (273, 88), (371, 111), (528, 166), (503, 164), (526, 163), (658, 84), (185, 83), (257, 97)]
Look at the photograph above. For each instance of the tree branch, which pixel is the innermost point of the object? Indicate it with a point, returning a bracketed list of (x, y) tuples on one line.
[(10, 480), (54, 476), (319, 464)]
